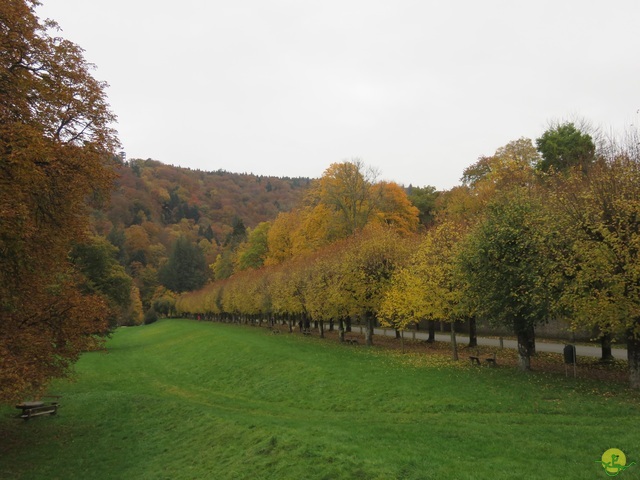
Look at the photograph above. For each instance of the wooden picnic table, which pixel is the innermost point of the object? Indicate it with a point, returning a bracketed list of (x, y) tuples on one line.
[(37, 408)]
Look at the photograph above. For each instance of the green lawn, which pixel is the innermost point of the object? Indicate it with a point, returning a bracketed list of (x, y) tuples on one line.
[(187, 400)]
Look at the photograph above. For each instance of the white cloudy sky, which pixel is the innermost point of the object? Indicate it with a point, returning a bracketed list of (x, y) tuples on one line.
[(417, 89)]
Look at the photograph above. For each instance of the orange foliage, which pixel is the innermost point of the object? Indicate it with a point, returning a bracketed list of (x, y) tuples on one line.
[(56, 145)]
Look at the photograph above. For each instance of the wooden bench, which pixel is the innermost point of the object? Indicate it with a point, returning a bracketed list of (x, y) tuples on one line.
[(491, 361), (275, 331), (351, 341), (35, 409), (306, 332)]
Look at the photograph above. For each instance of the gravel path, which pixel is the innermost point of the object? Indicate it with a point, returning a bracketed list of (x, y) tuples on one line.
[(581, 350)]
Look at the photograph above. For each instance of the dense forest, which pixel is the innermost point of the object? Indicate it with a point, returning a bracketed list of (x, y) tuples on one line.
[(165, 226)]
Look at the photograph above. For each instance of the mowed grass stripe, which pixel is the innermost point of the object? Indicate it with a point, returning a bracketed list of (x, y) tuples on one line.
[(186, 400)]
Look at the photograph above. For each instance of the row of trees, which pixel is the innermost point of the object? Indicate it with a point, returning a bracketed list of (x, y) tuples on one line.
[(343, 281), (533, 234)]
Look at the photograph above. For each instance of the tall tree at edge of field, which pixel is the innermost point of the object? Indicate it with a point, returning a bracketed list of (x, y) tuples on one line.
[(56, 154)]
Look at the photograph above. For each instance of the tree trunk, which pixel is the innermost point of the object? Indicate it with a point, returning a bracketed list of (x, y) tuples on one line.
[(341, 330), (473, 332), (397, 334), (633, 357), (454, 343), (348, 328), (526, 348), (368, 331), (605, 343), (532, 339), (432, 331), (321, 326)]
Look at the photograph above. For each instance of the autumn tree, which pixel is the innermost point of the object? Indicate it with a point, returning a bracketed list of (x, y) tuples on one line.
[(223, 266), (600, 218), (326, 301), (394, 209), (437, 263), (327, 284), (340, 204), (56, 145), (369, 263), (280, 238), (428, 286), (510, 166), (346, 188), (403, 304), (505, 264)]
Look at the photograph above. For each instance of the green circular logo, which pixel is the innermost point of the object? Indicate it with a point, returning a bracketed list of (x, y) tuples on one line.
[(614, 461)]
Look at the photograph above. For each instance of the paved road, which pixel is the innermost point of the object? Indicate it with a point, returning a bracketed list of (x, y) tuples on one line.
[(581, 350)]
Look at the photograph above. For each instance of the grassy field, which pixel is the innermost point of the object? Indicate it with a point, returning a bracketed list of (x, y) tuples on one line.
[(187, 400)]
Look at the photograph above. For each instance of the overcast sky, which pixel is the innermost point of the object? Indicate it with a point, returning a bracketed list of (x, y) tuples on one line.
[(417, 89)]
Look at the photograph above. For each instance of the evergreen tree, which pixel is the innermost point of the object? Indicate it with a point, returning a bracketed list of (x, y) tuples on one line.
[(186, 269)]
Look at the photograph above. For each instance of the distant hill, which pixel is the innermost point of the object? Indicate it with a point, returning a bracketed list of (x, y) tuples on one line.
[(150, 191), (153, 205)]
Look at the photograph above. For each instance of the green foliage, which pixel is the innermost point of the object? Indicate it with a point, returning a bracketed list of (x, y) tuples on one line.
[(563, 147), (96, 259), (238, 233), (186, 269), (164, 305), (150, 316), (223, 266), (506, 265), (253, 253), (424, 199)]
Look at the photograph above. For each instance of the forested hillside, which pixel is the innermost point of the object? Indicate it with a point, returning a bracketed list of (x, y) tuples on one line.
[(164, 226), (148, 190)]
